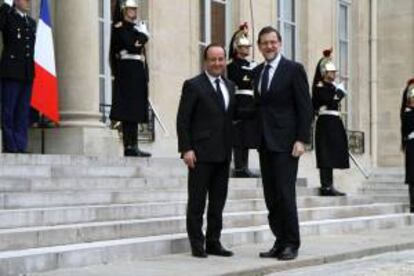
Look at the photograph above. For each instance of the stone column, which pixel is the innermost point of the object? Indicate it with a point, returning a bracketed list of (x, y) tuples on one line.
[(76, 30)]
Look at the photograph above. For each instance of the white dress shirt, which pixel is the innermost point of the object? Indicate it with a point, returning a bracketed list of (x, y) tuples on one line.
[(273, 67), (223, 88)]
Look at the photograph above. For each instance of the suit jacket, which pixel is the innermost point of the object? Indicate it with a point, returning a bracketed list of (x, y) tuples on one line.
[(17, 60), (202, 123), (285, 112)]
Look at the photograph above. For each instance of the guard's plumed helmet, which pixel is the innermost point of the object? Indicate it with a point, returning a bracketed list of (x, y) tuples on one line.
[(410, 89), (326, 64), (240, 38), (130, 4)]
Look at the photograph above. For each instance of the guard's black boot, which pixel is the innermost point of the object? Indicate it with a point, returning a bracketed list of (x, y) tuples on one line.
[(141, 153), (130, 151), (241, 164), (327, 188), (330, 191)]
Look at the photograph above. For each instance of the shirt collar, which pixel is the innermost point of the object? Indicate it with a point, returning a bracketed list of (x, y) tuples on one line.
[(19, 12), (212, 78), (275, 61)]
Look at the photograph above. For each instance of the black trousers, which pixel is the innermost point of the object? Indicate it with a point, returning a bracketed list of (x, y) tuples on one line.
[(130, 134), (279, 174), (326, 176), (206, 179), (241, 158)]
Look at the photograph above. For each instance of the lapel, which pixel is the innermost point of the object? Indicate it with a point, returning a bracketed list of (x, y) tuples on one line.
[(208, 86), (277, 76)]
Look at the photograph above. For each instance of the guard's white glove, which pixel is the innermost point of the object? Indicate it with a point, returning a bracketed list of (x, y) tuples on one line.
[(9, 2), (251, 66), (141, 26), (341, 86)]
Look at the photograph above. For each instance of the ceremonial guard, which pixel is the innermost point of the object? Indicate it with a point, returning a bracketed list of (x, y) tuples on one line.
[(16, 72), (245, 130), (407, 135), (130, 91), (331, 140)]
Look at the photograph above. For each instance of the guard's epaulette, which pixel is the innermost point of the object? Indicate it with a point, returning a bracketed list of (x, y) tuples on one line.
[(320, 84), (118, 25)]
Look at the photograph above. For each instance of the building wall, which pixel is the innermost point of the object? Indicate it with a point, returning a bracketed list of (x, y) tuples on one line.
[(395, 66), (381, 60)]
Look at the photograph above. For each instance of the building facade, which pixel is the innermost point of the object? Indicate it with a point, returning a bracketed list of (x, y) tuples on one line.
[(372, 42)]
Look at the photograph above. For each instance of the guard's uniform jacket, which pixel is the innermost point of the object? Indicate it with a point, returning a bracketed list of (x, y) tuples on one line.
[(130, 91), (407, 133), (331, 140), (245, 127), (19, 32)]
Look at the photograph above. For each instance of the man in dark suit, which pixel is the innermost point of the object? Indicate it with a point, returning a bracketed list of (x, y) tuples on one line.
[(285, 115), (204, 124), (16, 72)]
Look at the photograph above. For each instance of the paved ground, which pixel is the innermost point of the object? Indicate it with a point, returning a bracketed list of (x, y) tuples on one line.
[(315, 251), (389, 264)]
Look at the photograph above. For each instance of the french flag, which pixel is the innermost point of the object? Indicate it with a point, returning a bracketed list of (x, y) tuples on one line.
[(45, 84)]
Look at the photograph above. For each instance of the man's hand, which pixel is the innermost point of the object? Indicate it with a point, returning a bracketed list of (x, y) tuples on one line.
[(9, 2), (298, 149), (190, 159)]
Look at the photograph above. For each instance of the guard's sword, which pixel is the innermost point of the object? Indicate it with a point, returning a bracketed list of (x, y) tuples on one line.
[(157, 117), (359, 166)]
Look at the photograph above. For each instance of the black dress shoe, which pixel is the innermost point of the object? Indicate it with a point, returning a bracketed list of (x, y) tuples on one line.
[(198, 252), (218, 250), (331, 191), (244, 173), (288, 254), (274, 252)]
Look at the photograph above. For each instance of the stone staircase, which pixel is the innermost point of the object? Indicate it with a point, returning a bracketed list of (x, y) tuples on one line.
[(73, 211), (386, 185)]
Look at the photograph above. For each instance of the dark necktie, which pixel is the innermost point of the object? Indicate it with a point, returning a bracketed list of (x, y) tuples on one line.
[(220, 94), (265, 80)]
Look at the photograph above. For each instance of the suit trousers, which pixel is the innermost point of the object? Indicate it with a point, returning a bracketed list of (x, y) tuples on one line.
[(206, 179), (279, 174)]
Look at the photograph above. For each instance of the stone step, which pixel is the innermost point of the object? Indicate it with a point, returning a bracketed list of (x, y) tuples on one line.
[(384, 191), (43, 236), (82, 214), (62, 171), (73, 184), (326, 255), (97, 253), (391, 197), (384, 182), (103, 197), (82, 160)]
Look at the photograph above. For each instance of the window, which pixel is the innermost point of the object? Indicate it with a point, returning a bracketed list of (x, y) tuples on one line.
[(286, 22), (215, 23), (343, 53)]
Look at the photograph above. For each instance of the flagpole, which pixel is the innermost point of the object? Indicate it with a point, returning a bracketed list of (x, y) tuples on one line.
[(253, 30)]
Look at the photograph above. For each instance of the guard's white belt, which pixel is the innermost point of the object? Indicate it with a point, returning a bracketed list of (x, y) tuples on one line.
[(330, 112), (411, 136), (245, 92), (130, 56)]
